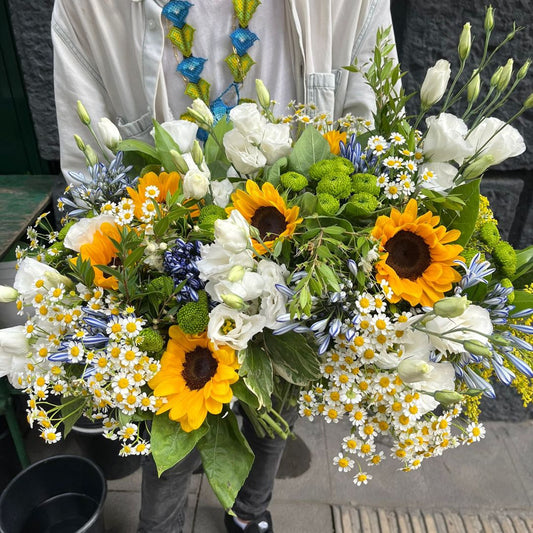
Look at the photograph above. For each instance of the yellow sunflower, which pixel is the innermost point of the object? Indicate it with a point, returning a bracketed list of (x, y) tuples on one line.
[(266, 211), (417, 259), (334, 137), (102, 251), (195, 377)]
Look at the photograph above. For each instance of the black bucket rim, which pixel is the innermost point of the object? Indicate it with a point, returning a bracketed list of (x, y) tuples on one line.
[(100, 508)]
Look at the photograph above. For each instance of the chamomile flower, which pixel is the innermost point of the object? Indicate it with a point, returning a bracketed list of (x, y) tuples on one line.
[(362, 478), (397, 138), (343, 463), (51, 435), (475, 432)]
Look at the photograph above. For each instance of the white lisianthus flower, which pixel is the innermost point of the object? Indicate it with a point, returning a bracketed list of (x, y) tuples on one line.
[(183, 132), (30, 271), (243, 155), (109, 133), (195, 184), (273, 302), (414, 344), (506, 143), (435, 83), (217, 262), (248, 288), (249, 121), (14, 348), (276, 142), (445, 139), (232, 327), (444, 176), (233, 233), (82, 232), (222, 191), (475, 319)]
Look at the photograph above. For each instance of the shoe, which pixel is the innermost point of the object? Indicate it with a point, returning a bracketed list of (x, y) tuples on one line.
[(263, 524)]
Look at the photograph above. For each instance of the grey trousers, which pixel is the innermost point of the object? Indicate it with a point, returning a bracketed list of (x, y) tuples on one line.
[(164, 499)]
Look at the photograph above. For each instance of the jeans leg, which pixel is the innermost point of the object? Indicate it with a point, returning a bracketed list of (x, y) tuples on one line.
[(164, 498), (255, 495)]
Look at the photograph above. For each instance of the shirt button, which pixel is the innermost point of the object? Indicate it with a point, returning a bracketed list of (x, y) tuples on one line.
[(151, 24)]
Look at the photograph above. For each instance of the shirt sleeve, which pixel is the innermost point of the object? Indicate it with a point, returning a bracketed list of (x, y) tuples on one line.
[(359, 99), (75, 78)]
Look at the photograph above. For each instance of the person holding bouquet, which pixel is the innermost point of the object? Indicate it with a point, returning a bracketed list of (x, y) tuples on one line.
[(135, 60)]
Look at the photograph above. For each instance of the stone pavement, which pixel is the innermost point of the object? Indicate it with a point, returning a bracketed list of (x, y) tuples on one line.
[(486, 487)]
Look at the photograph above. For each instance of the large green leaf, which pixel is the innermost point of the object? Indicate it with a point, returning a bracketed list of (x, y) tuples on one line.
[(213, 150), (292, 356), (522, 300), (465, 220), (170, 444), (226, 457), (244, 394), (524, 262), (134, 145), (256, 370), (308, 149), (71, 410), (164, 144), (273, 173)]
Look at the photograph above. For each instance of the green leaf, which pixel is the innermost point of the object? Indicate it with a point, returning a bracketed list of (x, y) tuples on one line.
[(169, 443), (329, 276), (524, 262), (244, 394), (164, 143), (71, 410), (465, 221), (257, 372), (522, 300), (308, 149), (293, 358), (226, 457), (274, 172), (134, 145), (134, 257), (212, 150)]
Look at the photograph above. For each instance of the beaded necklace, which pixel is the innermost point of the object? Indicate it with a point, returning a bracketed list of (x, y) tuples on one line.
[(181, 35)]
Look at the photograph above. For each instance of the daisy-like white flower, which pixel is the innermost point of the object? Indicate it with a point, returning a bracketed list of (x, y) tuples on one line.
[(397, 138), (350, 443), (51, 435), (393, 162), (343, 463), (128, 431), (362, 478)]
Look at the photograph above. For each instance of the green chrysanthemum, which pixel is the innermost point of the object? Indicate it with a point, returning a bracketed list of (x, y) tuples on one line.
[(327, 204)]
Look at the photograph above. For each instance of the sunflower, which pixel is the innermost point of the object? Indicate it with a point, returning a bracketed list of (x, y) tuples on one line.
[(102, 251), (266, 211), (417, 259), (334, 137), (195, 378), (165, 183)]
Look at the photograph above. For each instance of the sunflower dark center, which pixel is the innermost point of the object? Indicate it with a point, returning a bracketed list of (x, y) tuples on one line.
[(199, 367), (269, 222), (408, 254)]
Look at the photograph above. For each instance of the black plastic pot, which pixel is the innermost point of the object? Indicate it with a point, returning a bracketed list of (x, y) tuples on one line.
[(9, 462), (102, 451), (61, 494)]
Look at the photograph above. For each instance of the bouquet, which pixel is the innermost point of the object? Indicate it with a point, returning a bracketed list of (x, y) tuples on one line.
[(348, 267)]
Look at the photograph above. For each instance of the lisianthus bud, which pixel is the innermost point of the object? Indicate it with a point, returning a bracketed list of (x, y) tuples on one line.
[(477, 348), (472, 90), (522, 71), (505, 77), (479, 166), (451, 306), (489, 19), (233, 301), (262, 94), (82, 114), (8, 294), (236, 273), (528, 104), (201, 112), (500, 340), (109, 133), (54, 278), (413, 370), (495, 80), (195, 184), (197, 155), (90, 156), (435, 83), (180, 163), (447, 397), (465, 41), (79, 142)]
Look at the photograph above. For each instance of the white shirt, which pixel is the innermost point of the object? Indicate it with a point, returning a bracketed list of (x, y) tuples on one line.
[(109, 55)]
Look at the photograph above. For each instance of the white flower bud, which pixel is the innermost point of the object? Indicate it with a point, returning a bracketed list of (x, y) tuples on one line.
[(435, 83), (476, 347), (448, 397), (90, 156), (201, 112), (233, 301), (412, 370), (489, 19), (180, 163), (478, 167), (196, 152), (195, 184), (472, 90), (82, 114), (8, 294), (506, 74), (262, 94), (465, 41), (236, 273), (79, 142), (451, 307), (109, 133)]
